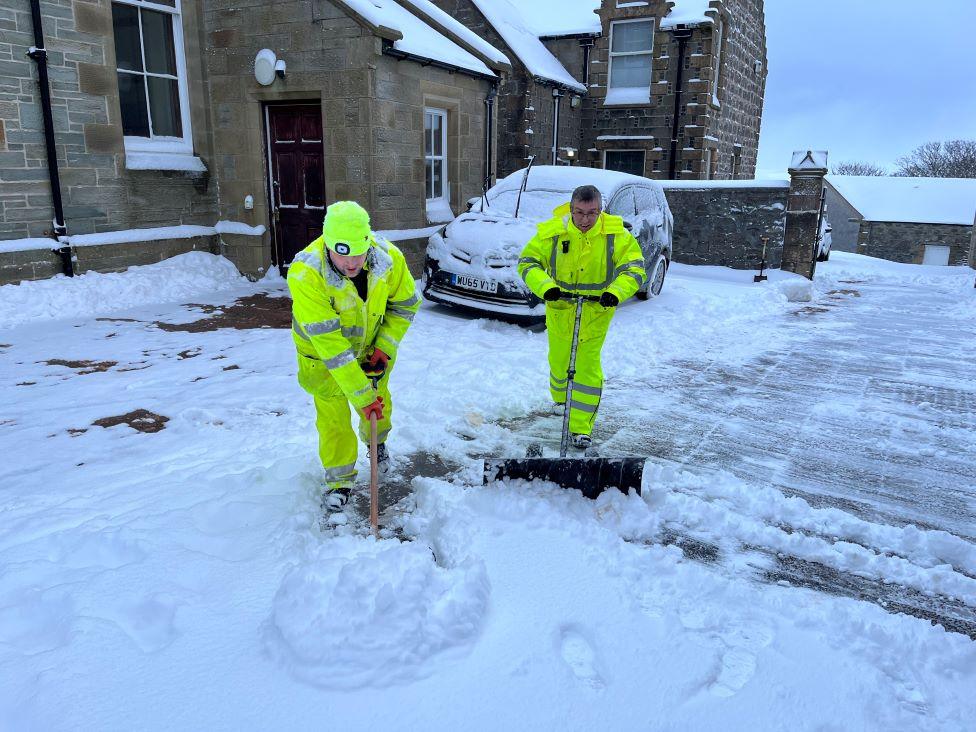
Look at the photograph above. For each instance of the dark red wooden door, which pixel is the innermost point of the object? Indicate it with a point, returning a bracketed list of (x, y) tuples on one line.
[(297, 176)]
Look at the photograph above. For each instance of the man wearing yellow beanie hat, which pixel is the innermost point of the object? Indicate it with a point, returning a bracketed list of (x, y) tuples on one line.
[(353, 299)]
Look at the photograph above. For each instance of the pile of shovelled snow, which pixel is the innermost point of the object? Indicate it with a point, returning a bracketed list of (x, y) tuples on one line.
[(359, 612), (194, 274)]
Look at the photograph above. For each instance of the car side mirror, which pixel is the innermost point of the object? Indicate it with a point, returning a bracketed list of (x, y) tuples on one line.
[(629, 226)]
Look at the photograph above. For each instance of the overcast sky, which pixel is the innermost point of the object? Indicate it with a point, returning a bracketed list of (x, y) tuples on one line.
[(866, 79)]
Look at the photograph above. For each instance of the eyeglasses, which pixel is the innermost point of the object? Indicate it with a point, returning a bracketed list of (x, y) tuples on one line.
[(586, 214)]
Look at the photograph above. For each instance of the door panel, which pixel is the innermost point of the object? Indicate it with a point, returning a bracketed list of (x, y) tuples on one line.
[(296, 164)]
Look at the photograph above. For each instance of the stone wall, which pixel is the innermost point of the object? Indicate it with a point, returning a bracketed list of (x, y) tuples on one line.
[(99, 193), (29, 264), (901, 242), (39, 264), (119, 257), (724, 225)]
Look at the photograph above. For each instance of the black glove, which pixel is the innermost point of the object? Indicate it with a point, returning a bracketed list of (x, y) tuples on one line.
[(609, 300), (552, 294)]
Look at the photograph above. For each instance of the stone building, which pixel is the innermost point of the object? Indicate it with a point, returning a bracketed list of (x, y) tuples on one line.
[(165, 140), (912, 220), (538, 95), (676, 88)]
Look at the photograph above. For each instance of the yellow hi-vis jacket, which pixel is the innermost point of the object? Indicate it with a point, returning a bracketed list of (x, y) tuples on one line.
[(607, 258), (334, 328)]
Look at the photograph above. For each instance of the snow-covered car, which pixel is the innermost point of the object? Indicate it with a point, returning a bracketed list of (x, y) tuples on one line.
[(823, 240), (472, 262)]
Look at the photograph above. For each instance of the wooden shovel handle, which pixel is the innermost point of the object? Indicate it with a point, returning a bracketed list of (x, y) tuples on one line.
[(374, 479)]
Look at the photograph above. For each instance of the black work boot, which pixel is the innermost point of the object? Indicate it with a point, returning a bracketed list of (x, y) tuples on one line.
[(335, 499), (382, 459)]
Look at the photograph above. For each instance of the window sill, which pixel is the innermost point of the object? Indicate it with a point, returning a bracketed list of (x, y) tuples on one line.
[(186, 162), (627, 97), (439, 211)]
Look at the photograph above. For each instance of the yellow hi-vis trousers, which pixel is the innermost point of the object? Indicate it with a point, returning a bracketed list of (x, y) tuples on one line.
[(588, 384), (338, 444)]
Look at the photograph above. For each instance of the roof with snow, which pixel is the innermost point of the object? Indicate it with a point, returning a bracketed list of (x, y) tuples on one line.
[(909, 200), (417, 36), (574, 17), (437, 17), (524, 42)]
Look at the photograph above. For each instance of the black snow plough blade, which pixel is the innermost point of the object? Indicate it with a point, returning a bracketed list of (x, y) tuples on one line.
[(591, 476)]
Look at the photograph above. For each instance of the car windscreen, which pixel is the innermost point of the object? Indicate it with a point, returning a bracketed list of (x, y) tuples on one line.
[(536, 205)]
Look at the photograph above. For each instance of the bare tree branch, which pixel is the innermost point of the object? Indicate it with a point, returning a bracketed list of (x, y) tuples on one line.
[(951, 159), (855, 167)]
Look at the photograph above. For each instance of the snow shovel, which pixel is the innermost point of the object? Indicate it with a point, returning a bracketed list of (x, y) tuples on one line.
[(590, 475), (374, 470)]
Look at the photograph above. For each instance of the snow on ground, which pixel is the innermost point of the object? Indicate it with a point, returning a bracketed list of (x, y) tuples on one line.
[(180, 579)]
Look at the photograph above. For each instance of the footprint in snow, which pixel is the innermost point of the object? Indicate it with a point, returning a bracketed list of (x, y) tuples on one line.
[(579, 655), (742, 644), (148, 621)]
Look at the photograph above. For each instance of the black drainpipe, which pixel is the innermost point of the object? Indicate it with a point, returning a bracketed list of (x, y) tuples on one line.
[(489, 133), (681, 34), (556, 96), (39, 55)]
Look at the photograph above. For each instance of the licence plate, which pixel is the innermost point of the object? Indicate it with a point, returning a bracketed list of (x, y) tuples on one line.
[(473, 283)]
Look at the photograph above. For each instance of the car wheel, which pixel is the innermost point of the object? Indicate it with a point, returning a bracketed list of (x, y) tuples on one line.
[(655, 279)]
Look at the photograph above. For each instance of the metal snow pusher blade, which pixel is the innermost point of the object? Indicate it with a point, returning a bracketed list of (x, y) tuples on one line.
[(591, 475)]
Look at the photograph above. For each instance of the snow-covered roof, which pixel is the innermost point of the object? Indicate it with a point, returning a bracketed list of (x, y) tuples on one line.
[(567, 178), (435, 16), (561, 17), (525, 43), (909, 200), (572, 17), (417, 37), (687, 12)]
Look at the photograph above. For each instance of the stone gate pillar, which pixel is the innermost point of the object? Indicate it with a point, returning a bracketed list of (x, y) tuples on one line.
[(807, 173)]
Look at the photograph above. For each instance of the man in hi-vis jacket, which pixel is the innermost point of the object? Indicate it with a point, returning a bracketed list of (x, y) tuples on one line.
[(353, 299), (581, 251)]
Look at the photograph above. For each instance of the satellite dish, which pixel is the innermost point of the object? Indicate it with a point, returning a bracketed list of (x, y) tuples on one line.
[(264, 66)]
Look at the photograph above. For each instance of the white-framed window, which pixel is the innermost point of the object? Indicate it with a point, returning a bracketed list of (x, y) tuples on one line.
[(717, 59), (629, 74), (435, 153), (151, 70)]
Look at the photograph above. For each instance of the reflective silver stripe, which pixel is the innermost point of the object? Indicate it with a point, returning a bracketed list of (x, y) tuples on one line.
[(407, 315), (628, 265), (340, 472), (342, 359), (312, 259), (322, 327), (412, 300), (640, 280), (577, 287), (388, 339), (382, 435), (353, 331), (363, 391), (590, 408), (558, 389), (557, 381), (297, 328), (584, 389), (530, 260)]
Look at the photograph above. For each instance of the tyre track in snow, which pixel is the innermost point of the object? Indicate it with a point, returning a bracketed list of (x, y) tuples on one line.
[(848, 519)]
